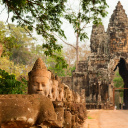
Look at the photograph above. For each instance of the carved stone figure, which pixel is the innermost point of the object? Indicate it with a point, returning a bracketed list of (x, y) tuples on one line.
[(60, 96), (54, 87), (24, 111), (68, 94), (39, 79)]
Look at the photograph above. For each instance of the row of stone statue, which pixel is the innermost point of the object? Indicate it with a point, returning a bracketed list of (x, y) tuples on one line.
[(46, 83), (50, 103)]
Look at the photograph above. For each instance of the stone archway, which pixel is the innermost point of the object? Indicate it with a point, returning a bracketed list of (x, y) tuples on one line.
[(123, 71), (119, 62)]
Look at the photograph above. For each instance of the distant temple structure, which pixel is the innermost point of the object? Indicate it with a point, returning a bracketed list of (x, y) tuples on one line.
[(94, 77)]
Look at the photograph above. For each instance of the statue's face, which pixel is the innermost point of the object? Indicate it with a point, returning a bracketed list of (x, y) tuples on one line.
[(40, 85), (69, 96), (60, 95)]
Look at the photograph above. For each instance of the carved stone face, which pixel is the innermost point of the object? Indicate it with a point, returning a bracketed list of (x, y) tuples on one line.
[(60, 95), (40, 85), (54, 90), (69, 96)]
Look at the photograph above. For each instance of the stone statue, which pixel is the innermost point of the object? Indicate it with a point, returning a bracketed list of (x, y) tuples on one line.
[(60, 95), (68, 94), (54, 87), (39, 79), (25, 111)]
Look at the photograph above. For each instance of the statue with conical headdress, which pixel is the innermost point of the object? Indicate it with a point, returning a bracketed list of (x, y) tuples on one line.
[(39, 79)]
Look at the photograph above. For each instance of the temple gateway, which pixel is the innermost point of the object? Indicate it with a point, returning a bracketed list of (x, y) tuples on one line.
[(94, 77)]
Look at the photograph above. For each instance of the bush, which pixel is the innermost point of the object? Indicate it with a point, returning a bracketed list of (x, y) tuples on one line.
[(9, 84)]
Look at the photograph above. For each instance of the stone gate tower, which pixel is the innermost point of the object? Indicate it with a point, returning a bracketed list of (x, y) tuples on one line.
[(95, 75)]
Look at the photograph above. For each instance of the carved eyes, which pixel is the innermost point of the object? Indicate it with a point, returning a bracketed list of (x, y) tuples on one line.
[(37, 84)]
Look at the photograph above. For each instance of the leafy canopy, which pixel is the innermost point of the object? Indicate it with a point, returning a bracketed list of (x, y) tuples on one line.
[(45, 17), (88, 11)]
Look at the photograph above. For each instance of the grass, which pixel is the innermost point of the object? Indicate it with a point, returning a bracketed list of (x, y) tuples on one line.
[(90, 117)]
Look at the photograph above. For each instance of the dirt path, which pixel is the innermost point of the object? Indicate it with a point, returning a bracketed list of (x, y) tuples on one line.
[(107, 119)]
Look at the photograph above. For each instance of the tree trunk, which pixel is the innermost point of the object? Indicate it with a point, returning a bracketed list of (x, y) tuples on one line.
[(77, 51)]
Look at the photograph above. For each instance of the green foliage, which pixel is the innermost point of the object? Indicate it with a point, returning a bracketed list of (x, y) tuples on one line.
[(45, 17), (17, 69), (7, 40), (55, 67), (118, 81), (90, 117), (17, 45), (89, 11), (42, 15), (9, 84)]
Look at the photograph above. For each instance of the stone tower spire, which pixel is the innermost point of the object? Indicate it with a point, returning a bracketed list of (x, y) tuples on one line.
[(117, 30), (118, 18)]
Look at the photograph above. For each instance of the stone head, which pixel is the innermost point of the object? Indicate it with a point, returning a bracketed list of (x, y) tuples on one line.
[(77, 97), (68, 94), (60, 95), (39, 79), (54, 88)]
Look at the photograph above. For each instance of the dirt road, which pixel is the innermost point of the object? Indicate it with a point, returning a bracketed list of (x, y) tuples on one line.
[(107, 119)]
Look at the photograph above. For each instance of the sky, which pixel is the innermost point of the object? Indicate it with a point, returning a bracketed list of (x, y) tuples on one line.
[(68, 28)]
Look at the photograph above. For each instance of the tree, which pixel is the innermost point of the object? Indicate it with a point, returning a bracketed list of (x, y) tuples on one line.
[(17, 45), (88, 11), (69, 54), (7, 40), (56, 68), (41, 15), (45, 17)]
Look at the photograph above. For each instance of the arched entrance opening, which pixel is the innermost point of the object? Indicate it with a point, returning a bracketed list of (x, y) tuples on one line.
[(123, 71), (118, 98)]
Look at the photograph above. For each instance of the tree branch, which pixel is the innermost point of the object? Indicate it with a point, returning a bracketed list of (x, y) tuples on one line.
[(64, 41), (2, 11)]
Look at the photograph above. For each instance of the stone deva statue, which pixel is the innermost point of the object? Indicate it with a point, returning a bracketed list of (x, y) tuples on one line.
[(39, 79), (54, 88)]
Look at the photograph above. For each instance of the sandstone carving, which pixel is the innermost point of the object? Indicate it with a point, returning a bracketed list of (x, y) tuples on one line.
[(39, 79), (24, 111), (49, 103)]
